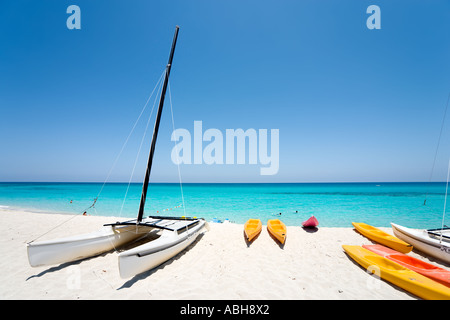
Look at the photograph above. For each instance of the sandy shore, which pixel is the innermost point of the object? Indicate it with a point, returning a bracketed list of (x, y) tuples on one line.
[(219, 265)]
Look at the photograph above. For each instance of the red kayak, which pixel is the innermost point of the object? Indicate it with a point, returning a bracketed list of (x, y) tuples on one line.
[(424, 268), (310, 223)]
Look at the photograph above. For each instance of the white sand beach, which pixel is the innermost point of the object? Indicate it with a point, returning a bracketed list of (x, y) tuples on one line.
[(219, 265)]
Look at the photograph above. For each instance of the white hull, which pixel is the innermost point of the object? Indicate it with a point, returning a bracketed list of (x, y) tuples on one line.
[(83, 246), (156, 252), (423, 242)]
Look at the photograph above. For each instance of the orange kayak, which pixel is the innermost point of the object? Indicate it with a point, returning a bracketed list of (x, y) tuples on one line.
[(397, 274), (424, 268), (252, 228), (277, 229)]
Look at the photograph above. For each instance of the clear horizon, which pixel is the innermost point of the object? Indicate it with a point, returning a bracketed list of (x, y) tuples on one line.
[(351, 104), (177, 183)]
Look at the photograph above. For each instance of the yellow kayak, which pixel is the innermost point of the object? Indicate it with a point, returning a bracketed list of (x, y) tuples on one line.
[(382, 237), (277, 229), (252, 228), (398, 275)]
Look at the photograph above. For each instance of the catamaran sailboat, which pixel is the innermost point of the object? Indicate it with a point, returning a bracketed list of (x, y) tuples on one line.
[(434, 242), (177, 232)]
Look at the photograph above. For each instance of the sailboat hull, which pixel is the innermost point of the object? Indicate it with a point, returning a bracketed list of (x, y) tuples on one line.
[(423, 242), (150, 255), (82, 246)]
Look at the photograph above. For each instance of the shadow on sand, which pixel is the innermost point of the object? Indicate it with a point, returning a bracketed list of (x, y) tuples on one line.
[(148, 273)]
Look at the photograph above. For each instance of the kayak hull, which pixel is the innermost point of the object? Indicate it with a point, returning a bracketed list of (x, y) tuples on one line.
[(310, 223), (424, 268), (277, 229), (398, 275), (252, 228), (382, 237), (423, 242), (151, 254), (74, 248)]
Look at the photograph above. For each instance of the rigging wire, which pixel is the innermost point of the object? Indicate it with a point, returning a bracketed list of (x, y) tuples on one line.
[(178, 159), (142, 140), (112, 167), (176, 151), (159, 86), (58, 225), (437, 146), (129, 135), (445, 202)]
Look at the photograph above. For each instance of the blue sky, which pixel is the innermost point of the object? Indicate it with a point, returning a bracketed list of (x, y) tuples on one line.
[(351, 104)]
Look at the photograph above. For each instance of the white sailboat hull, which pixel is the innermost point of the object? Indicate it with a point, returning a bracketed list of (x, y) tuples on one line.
[(156, 252), (423, 242), (82, 246)]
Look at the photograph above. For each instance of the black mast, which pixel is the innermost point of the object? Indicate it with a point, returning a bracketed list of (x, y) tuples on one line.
[(155, 130)]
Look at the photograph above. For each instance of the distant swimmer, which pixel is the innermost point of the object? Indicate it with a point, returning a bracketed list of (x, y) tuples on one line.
[(70, 201)]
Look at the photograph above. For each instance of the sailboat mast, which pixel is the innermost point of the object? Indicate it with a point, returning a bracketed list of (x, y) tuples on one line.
[(155, 130)]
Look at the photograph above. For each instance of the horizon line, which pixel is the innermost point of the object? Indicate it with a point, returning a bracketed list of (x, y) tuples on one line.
[(156, 182)]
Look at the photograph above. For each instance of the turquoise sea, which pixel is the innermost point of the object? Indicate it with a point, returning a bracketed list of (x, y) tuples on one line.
[(334, 204)]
